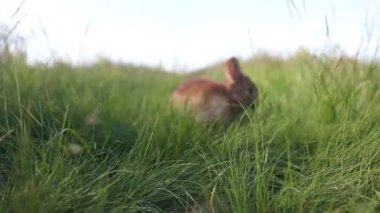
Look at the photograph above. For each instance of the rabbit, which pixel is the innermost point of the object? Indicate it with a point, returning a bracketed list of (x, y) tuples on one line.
[(217, 101)]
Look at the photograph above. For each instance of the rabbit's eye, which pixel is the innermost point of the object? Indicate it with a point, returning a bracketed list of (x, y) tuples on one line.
[(250, 90)]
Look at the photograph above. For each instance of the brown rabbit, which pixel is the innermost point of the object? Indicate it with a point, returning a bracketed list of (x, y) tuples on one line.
[(213, 101)]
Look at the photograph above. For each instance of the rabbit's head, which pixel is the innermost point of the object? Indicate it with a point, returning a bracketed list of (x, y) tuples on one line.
[(241, 88)]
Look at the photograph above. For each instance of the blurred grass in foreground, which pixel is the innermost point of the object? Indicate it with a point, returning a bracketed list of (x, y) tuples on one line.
[(102, 137)]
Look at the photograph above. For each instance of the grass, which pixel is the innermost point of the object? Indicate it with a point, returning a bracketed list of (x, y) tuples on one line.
[(311, 146)]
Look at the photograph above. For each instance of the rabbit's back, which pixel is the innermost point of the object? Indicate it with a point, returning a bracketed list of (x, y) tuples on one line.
[(208, 99)]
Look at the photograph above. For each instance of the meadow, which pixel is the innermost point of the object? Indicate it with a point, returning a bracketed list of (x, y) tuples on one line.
[(101, 138)]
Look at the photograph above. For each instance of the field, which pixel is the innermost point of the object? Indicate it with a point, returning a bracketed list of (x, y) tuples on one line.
[(101, 138)]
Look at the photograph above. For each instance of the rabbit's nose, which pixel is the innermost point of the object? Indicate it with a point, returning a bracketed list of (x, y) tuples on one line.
[(253, 104)]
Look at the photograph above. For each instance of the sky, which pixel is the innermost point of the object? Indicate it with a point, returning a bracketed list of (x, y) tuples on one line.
[(187, 35)]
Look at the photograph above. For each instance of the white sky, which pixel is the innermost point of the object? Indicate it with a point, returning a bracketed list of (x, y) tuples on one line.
[(187, 34)]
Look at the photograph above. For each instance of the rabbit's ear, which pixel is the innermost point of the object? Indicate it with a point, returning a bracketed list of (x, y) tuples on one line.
[(233, 73)]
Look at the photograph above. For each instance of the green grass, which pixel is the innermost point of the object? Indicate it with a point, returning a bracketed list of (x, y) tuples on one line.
[(312, 145)]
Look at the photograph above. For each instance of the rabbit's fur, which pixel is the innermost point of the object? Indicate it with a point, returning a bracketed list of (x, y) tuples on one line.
[(213, 101)]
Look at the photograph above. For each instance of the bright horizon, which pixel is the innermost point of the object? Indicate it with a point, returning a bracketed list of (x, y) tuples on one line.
[(185, 35)]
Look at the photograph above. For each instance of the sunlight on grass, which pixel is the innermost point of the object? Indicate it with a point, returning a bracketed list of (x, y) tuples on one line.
[(102, 137)]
